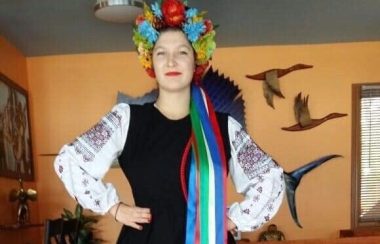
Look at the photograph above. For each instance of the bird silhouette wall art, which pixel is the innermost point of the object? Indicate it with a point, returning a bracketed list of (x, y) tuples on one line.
[(271, 83), (302, 115)]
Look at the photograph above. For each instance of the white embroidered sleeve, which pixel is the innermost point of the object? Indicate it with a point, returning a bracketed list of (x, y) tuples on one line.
[(257, 177), (82, 164)]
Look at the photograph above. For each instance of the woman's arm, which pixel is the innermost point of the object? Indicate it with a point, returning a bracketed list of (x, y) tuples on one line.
[(82, 164), (257, 176)]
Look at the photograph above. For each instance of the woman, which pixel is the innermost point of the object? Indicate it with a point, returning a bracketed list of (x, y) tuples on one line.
[(175, 152)]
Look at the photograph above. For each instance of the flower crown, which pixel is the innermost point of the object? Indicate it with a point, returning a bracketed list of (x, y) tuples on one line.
[(174, 14)]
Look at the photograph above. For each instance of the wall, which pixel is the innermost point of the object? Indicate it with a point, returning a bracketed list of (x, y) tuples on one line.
[(70, 92), (13, 65), (323, 198)]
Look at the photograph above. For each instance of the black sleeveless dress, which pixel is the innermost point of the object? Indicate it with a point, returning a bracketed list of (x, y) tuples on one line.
[(151, 161)]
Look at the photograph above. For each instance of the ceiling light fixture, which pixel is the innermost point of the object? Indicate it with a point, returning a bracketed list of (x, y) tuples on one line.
[(119, 11)]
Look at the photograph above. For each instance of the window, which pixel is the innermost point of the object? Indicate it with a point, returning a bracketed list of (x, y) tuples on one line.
[(366, 155)]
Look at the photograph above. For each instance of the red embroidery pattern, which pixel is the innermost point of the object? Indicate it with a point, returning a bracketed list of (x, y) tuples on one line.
[(254, 227), (254, 161), (270, 208), (267, 218), (255, 164), (114, 118), (250, 157), (97, 136), (81, 149), (85, 182), (97, 203), (256, 198), (261, 178), (239, 138)]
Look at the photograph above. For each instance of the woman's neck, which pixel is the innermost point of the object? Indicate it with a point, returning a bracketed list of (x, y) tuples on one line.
[(173, 105)]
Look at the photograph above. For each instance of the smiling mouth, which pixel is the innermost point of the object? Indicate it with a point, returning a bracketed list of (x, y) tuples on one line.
[(173, 73)]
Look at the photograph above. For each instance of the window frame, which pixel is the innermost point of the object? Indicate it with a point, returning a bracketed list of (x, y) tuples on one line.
[(356, 160)]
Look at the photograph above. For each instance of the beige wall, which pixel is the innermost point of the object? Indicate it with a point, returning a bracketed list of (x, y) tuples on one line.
[(13, 65), (323, 198), (69, 93)]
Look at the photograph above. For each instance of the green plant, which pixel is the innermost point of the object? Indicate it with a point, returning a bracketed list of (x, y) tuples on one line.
[(86, 224)]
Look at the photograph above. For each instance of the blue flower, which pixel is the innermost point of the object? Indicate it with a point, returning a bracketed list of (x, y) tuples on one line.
[(156, 10), (147, 31), (191, 12), (194, 30)]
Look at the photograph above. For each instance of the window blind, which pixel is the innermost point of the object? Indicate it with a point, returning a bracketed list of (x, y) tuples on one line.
[(370, 154)]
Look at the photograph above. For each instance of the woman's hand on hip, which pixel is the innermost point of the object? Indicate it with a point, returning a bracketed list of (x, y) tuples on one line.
[(131, 215), (231, 226)]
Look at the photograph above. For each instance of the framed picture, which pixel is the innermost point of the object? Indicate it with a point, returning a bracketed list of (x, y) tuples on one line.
[(16, 159)]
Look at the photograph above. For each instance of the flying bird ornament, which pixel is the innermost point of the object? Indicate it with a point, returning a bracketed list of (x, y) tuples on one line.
[(271, 82), (303, 118)]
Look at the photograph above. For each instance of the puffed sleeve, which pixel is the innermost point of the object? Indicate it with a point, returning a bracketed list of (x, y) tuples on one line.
[(82, 164), (255, 175)]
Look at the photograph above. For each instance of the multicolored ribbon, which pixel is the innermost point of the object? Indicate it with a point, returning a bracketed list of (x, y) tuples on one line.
[(206, 197)]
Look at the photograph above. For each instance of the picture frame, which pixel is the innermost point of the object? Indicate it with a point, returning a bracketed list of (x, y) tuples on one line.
[(16, 159)]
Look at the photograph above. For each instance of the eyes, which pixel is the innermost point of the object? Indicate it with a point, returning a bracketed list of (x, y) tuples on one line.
[(162, 53), (183, 52)]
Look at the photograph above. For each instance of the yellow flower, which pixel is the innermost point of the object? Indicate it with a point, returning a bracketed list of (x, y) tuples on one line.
[(197, 18), (201, 56), (204, 47), (148, 14), (146, 61), (149, 17), (141, 49)]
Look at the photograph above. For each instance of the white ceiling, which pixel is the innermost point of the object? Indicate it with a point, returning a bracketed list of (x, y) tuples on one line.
[(47, 27)]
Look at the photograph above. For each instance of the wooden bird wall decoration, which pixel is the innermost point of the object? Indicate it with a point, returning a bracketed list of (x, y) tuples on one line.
[(302, 115), (271, 84)]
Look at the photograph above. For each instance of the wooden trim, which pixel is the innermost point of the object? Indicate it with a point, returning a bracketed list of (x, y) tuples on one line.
[(367, 231), (355, 156)]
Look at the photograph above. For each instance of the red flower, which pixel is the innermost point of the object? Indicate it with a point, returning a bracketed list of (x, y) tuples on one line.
[(199, 72), (139, 19), (151, 72), (208, 25), (173, 12)]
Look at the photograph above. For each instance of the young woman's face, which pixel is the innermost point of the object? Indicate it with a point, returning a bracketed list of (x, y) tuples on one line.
[(173, 61)]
